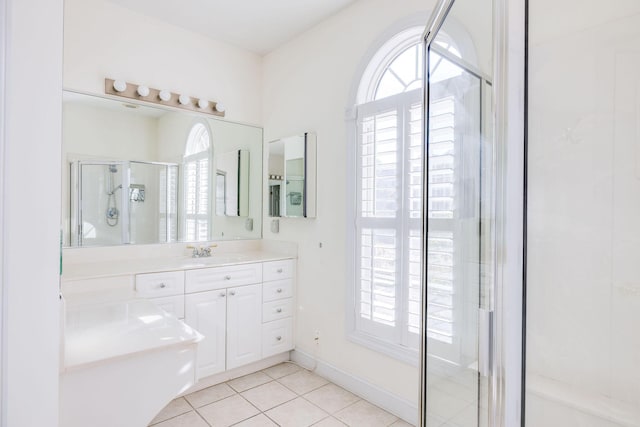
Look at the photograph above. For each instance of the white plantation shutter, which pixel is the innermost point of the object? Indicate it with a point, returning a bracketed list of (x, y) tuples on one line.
[(441, 204), (168, 224), (388, 224), (197, 188)]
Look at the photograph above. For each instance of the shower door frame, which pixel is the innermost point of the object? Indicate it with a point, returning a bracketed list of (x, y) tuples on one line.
[(506, 346)]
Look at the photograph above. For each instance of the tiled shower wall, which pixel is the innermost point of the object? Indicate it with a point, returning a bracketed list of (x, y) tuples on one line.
[(583, 299)]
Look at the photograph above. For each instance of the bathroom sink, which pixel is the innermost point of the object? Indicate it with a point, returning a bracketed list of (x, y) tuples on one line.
[(215, 260)]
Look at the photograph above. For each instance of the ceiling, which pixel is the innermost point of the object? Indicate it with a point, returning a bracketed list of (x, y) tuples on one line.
[(259, 26)]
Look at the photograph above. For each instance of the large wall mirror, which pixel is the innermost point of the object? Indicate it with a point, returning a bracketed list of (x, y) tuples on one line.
[(292, 176), (135, 174)]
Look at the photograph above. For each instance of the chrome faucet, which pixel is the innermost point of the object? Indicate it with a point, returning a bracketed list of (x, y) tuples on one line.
[(202, 251)]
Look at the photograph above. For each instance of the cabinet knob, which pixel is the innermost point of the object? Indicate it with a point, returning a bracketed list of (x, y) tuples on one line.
[(279, 290), (222, 294), (279, 338), (279, 270), (162, 286), (227, 277), (232, 293), (279, 310)]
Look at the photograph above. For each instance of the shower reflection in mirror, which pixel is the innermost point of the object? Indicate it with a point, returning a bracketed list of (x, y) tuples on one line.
[(123, 202)]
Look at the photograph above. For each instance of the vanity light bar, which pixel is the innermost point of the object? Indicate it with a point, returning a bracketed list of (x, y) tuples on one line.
[(162, 97)]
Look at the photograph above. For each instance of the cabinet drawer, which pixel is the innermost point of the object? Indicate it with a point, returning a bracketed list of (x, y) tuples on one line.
[(277, 337), (277, 290), (277, 310), (173, 305), (208, 279), (277, 270), (160, 284)]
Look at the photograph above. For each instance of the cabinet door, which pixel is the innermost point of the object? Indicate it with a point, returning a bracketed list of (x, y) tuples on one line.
[(206, 312), (244, 325)]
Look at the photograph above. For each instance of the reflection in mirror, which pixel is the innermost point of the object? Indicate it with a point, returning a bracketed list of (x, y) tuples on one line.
[(142, 174), (123, 202), (292, 176), (232, 183)]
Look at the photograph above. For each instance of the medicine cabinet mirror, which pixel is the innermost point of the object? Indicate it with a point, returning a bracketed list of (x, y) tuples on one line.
[(135, 173), (292, 176)]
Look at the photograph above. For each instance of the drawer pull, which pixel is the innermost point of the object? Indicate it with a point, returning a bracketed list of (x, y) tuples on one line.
[(279, 338), (227, 277), (222, 294), (162, 286), (279, 290), (279, 310), (232, 293), (279, 270)]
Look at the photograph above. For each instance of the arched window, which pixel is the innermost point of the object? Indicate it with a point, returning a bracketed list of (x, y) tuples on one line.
[(197, 184), (386, 309)]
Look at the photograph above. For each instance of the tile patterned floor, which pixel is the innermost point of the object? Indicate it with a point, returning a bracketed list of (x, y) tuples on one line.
[(282, 395)]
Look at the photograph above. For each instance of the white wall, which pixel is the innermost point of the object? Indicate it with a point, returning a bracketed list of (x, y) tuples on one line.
[(31, 223), (104, 133), (584, 204), (307, 87), (102, 39)]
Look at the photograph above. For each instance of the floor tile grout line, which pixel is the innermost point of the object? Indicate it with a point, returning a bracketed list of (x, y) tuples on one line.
[(203, 418), (330, 413), (309, 391), (170, 418), (194, 409), (271, 419)]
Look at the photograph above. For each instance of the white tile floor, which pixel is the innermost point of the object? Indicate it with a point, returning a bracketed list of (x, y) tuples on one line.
[(283, 395)]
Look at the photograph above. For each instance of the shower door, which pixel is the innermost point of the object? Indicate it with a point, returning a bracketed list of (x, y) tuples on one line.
[(458, 222), (100, 208)]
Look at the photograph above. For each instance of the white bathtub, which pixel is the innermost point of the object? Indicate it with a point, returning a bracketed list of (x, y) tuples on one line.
[(551, 403), (123, 362)]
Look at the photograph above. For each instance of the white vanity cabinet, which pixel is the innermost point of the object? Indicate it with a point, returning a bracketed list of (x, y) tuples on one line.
[(244, 325), (244, 311), (165, 289), (277, 307), (206, 312), (230, 318)]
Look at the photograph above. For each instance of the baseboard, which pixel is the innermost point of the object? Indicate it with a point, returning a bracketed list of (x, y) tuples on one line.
[(374, 394)]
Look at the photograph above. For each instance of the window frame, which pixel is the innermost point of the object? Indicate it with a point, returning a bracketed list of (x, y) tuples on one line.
[(367, 84)]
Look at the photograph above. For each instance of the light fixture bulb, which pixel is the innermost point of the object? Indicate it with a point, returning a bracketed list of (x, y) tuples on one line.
[(203, 103), (120, 85), (143, 91), (164, 95), (184, 100), (220, 107)]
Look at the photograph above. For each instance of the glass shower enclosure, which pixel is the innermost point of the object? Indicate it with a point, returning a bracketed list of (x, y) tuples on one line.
[(459, 207), (123, 202)]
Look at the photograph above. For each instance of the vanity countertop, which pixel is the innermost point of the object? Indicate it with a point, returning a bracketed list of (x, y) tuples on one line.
[(125, 267), (98, 332)]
